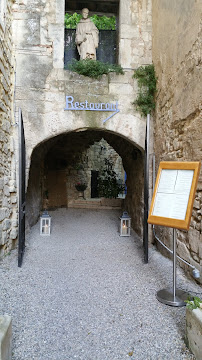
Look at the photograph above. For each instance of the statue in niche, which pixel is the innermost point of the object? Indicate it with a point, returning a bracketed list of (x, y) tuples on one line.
[(87, 37)]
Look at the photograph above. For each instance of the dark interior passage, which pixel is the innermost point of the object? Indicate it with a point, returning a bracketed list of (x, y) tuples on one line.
[(57, 161)]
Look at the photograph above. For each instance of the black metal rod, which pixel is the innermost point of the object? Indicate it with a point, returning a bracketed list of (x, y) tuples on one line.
[(21, 207), (146, 191), (174, 263)]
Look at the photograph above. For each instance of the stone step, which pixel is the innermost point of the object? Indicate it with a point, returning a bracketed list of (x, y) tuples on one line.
[(101, 203), (82, 206)]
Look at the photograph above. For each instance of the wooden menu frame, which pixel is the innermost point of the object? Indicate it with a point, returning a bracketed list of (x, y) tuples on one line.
[(160, 198)]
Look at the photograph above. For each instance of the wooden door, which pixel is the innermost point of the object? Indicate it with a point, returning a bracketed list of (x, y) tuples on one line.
[(57, 191)]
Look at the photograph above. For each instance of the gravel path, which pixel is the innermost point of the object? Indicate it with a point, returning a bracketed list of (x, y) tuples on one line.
[(84, 293)]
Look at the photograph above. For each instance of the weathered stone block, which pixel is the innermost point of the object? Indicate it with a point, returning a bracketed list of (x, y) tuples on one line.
[(194, 239), (5, 337), (120, 89), (13, 199), (4, 238), (197, 204), (14, 223), (200, 247), (2, 214), (14, 234), (6, 224), (12, 183), (125, 52), (6, 190), (6, 180), (6, 202), (183, 251), (1, 184), (194, 331)]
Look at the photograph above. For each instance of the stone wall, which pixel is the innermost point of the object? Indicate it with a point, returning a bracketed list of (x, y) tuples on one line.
[(8, 199), (177, 128), (94, 159), (42, 84)]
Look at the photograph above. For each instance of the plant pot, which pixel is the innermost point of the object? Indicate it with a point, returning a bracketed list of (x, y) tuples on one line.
[(81, 194)]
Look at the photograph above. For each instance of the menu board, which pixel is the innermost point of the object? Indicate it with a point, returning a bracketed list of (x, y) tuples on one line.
[(173, 197)]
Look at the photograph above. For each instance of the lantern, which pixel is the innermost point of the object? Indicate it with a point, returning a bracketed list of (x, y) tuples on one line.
[(45, 223), (125, 224)]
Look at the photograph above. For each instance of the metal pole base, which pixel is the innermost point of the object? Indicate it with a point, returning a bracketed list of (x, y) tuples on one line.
[(166, 297)]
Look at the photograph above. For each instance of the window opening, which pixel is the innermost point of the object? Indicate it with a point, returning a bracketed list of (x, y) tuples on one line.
[(107, 24), (94, 184)]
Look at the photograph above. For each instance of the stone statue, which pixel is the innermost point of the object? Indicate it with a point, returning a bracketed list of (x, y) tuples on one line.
[(87, 37)]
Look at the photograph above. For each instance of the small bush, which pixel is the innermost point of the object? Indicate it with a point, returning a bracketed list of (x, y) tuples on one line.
[(94, 68), (101, 22), (195, 303)]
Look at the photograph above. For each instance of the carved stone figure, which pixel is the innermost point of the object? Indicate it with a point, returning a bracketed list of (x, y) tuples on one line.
[(87, 37)]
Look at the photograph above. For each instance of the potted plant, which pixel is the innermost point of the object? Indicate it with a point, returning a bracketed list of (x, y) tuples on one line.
[(81, 187)]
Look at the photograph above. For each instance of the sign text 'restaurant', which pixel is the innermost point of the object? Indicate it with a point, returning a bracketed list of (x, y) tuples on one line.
[(90, 106)]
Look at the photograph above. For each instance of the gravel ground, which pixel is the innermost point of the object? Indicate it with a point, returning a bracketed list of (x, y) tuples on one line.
[(84, 293)]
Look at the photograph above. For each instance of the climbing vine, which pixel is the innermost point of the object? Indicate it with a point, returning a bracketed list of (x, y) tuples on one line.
[(146, 79)]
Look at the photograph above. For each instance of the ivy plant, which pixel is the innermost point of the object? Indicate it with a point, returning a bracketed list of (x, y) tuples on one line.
[(146, 79), (101, 22), (94, 68), (195, 303)]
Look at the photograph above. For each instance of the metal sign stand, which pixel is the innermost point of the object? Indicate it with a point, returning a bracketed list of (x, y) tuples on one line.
[(146, 192), (173, 297)]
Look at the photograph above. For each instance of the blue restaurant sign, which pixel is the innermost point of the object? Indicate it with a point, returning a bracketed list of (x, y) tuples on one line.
[(85, 105)]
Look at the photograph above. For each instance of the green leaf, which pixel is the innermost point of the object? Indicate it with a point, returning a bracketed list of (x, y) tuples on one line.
[(193, 304), (94, 68), (146, 80), (102, 22)]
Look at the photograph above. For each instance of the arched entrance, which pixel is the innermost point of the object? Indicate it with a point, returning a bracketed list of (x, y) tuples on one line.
[(60, 153)]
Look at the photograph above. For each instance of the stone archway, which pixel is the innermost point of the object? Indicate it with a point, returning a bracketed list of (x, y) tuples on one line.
[(66, 147)]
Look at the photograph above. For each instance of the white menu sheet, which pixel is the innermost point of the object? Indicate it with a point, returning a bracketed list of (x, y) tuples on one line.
[(173, 192)]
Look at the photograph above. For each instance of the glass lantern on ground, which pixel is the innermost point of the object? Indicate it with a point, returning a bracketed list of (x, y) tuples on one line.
[(45, 224), (125, 224)]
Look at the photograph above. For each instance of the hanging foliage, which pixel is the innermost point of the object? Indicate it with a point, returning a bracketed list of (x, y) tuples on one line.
[(101, 22), (94, 69), (146, 79)]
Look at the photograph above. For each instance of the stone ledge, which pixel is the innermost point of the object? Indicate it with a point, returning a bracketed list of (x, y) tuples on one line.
[(5, 337), (100, 203), (194, 331)]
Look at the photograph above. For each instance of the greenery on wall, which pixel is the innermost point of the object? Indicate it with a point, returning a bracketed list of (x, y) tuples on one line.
[(108, 184), (195, 303), (146, 79), (94, 69), (102, 22)]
